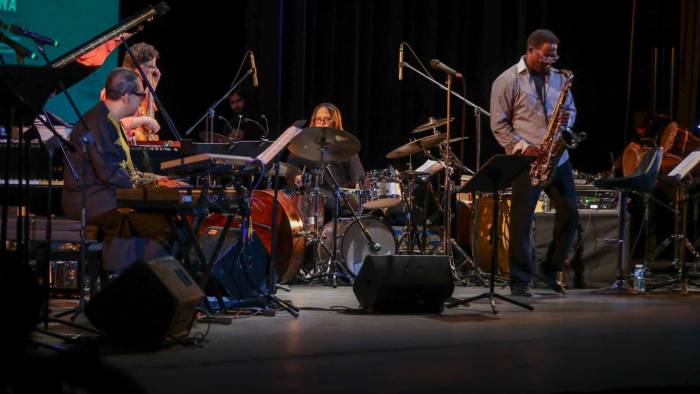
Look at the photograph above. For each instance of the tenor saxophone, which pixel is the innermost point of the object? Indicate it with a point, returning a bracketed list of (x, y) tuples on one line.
[(558, 137)]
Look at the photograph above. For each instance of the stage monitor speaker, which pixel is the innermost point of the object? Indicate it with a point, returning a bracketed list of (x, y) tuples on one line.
[(398, 284), (147, 304), (242, 273)]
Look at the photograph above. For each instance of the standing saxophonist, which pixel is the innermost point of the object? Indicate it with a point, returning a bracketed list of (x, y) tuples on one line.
[(523, 99)]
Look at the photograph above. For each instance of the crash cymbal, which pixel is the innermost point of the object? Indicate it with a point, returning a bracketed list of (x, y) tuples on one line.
[(417, 146), (432, 123), (324, 144), (217, 138), (286, 170)]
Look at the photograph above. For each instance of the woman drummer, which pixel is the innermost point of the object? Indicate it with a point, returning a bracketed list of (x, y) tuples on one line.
[(345, 172)]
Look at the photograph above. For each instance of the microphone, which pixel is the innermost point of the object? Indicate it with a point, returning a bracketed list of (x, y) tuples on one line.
[(267, 126), (401, 62), (19, 49), (254, 69), (227, 123), (440, 66), (38, 38), (375, 247)]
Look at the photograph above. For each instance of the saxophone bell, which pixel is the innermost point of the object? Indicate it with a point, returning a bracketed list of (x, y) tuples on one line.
[(572, 138)]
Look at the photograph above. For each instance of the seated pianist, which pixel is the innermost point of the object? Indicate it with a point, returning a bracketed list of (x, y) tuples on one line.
[(128, 236)]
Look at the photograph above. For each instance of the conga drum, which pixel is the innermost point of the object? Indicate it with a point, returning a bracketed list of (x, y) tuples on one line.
[(484, 245)]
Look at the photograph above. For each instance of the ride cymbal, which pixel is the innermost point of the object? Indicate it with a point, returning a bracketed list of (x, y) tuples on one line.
[(324, 144), (417, 146)]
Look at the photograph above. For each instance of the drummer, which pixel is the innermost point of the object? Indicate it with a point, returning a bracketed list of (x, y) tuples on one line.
[(345, 172)]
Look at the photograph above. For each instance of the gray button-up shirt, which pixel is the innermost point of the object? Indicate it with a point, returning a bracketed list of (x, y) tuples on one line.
[(516, 109)]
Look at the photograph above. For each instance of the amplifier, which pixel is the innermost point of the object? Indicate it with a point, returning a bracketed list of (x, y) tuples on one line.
[(588, 197)]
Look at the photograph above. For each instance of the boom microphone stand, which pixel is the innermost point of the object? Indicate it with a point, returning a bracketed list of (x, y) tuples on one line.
[(478, 111)]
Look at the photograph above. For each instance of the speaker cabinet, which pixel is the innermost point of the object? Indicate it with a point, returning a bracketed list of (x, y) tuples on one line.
[(399, 284), (242, 272), (597, 240), (147, 304)]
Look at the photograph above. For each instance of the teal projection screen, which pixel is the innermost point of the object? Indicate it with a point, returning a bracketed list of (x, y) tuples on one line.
[(71, 22)]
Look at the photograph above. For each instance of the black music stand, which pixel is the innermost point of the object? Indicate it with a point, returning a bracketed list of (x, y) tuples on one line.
[(679, 175), (495, 175)]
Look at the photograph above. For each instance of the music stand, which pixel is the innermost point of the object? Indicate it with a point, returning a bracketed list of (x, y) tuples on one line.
[(679, 174), (495, 175)]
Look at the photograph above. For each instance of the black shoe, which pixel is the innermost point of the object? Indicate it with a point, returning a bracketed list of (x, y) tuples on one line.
[(550, 279), (557, 286), (520, 290)]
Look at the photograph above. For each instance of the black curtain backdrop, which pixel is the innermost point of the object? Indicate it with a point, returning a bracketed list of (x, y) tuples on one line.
[(346, 52), (690, 63)]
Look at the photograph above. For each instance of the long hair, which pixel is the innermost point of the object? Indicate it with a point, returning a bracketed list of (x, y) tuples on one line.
[(336, 117)]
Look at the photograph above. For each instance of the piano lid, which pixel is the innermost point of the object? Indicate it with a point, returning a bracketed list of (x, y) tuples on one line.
[(72, 71)]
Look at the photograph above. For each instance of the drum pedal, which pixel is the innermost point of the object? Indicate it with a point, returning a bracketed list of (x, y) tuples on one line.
[(215, 320), (283, 287)]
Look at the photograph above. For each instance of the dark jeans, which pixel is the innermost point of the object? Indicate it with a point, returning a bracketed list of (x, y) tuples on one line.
[(562, 194)]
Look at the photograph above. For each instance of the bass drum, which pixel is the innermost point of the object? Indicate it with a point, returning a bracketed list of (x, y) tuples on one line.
[(290, 238), (352, 244)]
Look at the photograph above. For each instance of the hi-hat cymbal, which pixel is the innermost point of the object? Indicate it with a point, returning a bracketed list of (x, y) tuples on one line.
[(286, 170), (432, 123), (215, 137), (324, 144), (458, 139), (413, 174), (417, 146)]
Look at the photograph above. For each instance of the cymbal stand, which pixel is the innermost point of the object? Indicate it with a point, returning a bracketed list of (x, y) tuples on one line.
[(474, 269), (334, 262), (314, 238), (680, 243), (478, 111), (410, 236)]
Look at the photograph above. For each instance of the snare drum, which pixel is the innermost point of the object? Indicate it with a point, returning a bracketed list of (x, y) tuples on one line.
[(383, 188), (352, 244)]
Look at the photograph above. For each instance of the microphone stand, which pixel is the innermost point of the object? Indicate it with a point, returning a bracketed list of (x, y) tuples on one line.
[(217, 102), (478, 111), (271, 300)]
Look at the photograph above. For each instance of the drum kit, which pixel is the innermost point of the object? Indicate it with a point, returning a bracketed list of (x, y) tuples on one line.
[(340, 246)]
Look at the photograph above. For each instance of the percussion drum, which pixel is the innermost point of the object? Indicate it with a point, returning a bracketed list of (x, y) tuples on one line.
[(483, 236), (310, 213), (383, 188), (356, 197), (352, 244)]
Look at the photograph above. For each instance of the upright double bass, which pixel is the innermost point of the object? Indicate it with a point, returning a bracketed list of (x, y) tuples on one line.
[(147, 108)]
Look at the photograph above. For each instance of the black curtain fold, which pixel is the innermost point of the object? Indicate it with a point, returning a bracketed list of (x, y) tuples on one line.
[(346, 52), (689, 64)]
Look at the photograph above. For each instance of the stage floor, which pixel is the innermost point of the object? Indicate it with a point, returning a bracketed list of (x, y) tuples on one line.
[(581, 342)]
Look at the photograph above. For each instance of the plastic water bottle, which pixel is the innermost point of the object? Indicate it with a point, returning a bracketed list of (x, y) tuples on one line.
[(639, 284)]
